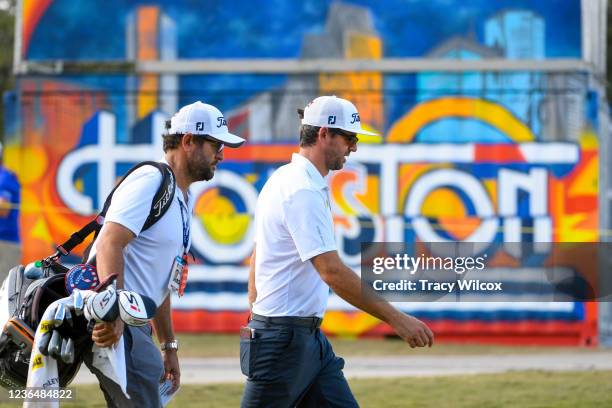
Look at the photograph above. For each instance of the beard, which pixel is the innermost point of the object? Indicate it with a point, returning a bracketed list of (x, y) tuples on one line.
[(200, 168), (338, 164), (334, 162)]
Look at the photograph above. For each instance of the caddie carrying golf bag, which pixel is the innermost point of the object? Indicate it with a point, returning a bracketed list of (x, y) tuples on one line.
[(23, 300)]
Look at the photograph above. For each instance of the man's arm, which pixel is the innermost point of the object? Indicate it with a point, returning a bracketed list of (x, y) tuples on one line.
[(252, 288), (162, 322), (346, 284), (109, 251), (109, 259)]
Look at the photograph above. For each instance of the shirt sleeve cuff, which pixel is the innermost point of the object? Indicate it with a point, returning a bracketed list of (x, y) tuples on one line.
[(134, 228), (308, 256)]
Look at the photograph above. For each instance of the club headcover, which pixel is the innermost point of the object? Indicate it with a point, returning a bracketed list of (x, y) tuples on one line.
[(81, 276), (136, 309), (102, 307)]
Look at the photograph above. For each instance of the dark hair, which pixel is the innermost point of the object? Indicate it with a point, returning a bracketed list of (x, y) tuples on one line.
[(173, 141), (308, 135)]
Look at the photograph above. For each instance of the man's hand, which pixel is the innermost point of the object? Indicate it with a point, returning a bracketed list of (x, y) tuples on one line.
[(172, 370), (412, 330), (5, 207), (106, 334)]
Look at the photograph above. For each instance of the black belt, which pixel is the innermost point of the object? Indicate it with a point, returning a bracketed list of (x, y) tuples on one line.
[(310, 322)]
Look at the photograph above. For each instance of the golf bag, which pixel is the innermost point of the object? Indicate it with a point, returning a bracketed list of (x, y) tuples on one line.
[(23, 301)]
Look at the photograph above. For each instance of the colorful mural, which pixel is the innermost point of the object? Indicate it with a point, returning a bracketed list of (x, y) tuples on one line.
[(472, 156)]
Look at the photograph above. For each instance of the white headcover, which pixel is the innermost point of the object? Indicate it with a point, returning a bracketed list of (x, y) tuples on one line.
[(102, 306), (135, 309)]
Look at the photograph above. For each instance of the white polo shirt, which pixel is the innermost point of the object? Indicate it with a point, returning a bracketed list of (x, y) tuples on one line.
[(148, 257), (293, 224)]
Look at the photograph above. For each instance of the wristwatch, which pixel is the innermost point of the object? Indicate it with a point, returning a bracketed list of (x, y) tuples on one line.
[(171, 345)]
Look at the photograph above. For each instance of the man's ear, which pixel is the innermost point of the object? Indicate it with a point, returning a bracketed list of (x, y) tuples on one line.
[(323, 133), (187, 140)]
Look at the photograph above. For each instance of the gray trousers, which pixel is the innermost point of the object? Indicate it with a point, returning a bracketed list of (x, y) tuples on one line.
[(144, 370)]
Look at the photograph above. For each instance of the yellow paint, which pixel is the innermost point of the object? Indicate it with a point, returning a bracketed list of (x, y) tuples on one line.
[(443, 202), (363, 46), (33, 160), (34, 204), (220, 219), (27, 7), (147, 100), (588, 140), (344, 324), (12, 158), (371, 197), (491, 188), (570, 231), (40, 230), (585, 183), (493, 114), (79, 184)]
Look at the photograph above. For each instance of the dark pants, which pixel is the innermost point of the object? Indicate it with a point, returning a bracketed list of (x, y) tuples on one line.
[(144, 367), (290, 366)]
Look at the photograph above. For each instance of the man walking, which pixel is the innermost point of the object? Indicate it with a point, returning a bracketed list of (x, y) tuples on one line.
[(284, 354), (150, 262), (10, 248)]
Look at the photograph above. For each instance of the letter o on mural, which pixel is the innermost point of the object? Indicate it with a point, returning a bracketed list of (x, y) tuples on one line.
[(462, 181), (203, 242)]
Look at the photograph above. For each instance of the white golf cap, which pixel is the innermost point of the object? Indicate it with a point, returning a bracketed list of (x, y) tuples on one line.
[(334, 112), (201, 119)]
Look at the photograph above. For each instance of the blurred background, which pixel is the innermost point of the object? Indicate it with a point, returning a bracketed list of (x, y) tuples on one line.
[(493, 117)]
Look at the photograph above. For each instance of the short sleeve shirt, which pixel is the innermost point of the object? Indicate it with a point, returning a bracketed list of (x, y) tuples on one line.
[(293, 224), (148, 257)]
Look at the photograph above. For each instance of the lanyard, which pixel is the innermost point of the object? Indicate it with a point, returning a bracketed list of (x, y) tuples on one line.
[(185, 221)]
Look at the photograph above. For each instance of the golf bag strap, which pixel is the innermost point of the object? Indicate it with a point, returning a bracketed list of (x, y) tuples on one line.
[(78, 237), (159, 206), (162, 199)]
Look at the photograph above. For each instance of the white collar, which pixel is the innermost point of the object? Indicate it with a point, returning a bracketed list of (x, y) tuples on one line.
[(319, 181)]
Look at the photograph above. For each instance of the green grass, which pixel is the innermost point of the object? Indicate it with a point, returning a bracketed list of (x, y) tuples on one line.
[(517, 389), (222, 345)]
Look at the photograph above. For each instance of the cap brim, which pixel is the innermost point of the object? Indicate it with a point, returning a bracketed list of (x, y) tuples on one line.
[(228, 139), (362, 131)]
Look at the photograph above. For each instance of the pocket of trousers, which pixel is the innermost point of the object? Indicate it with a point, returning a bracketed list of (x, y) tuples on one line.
[(248, 352), (260, 353)]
